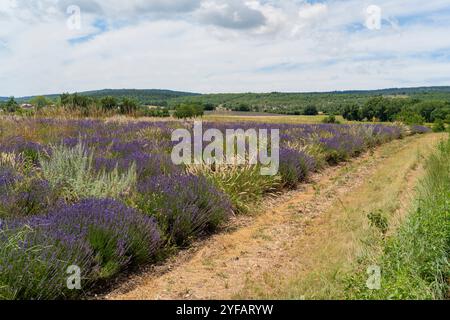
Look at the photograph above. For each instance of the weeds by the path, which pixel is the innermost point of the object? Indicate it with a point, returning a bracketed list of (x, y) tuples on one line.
[(415, 260)]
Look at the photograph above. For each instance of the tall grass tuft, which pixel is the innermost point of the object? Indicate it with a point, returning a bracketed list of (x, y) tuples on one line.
[(71, 170), (244, 184)]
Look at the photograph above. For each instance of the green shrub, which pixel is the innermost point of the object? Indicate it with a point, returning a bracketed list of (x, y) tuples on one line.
[(410, 118), (331, 120), (71, 171), (439, 126), (378, 220), (310, 110), (186, 111)]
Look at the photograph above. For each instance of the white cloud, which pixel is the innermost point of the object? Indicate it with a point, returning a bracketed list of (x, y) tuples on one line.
[(221, 46)]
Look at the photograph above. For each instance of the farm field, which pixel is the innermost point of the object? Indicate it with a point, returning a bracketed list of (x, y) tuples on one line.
[(105, 196), (302, 245), (261, 117), (236, 158)]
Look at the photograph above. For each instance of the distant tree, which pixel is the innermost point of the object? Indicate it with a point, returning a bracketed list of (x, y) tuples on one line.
[(352, 112), (199, 110), (76, 101), (330, 120), (374, 108), (440, 114), (209, 107), (11, 105), (311, 110), (65, 99), (439, 126), (157, 113), (243, 107), (429, 108), (40, 102), (410, 117), (186, 111), (447, 119), (128, 106), (109, 103)]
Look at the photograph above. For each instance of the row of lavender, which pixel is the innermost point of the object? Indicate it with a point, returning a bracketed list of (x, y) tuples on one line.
[(105, 196)]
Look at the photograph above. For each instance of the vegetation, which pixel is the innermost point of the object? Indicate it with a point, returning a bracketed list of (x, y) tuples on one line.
[(415, 260), (71, 171), (187, 111), (106, 196), (411, 106)]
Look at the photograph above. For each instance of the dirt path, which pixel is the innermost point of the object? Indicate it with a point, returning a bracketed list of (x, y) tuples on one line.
[(296, 237)]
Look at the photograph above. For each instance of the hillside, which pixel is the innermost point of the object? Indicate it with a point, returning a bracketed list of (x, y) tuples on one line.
[(326, 101), (144, 96), (270, 102)]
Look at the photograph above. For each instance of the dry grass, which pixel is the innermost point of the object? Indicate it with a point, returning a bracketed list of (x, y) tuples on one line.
[(270, 119), (337, 240)]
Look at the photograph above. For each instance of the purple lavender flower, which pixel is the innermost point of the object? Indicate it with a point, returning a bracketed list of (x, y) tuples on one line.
[(185, 205), (100, 236), (295, 166), (420, 129)]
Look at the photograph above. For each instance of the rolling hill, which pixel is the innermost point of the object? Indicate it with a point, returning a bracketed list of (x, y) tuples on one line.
[(271, 102)]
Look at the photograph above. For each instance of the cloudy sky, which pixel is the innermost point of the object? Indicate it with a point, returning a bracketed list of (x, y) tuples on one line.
[(52, 46)]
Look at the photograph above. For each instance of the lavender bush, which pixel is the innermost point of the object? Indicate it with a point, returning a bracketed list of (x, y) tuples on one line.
[(295, 166), (56, 205), (100, 236), (185, 205)]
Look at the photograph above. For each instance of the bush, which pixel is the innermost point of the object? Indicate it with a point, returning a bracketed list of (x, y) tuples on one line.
[(186, 111), (420, 130), (154, 113), (11, 105), (128, 106), (27, 196), (34, 264), (331, 120), (185, 206), (101, 237), (439, 126), (311, 111), (109, 103), (352, 112), (410, 118), (118, 235), (71, 171), (341, 147), (294, 167)]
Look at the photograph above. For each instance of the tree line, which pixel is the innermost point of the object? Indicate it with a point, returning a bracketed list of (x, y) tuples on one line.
[(87, 105), (406, 110)]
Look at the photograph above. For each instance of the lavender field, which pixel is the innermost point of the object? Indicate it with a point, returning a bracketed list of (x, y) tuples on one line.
[(106, 197)]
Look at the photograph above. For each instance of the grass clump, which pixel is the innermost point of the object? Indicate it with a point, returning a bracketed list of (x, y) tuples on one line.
[(71, 170), (244, 184)]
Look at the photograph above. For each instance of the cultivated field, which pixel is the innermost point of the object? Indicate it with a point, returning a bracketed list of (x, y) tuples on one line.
[(106, 198)]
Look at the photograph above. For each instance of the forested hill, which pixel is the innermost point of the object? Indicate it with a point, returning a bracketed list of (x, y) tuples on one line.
[(270, 102), (143, 96), (327, 101)]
